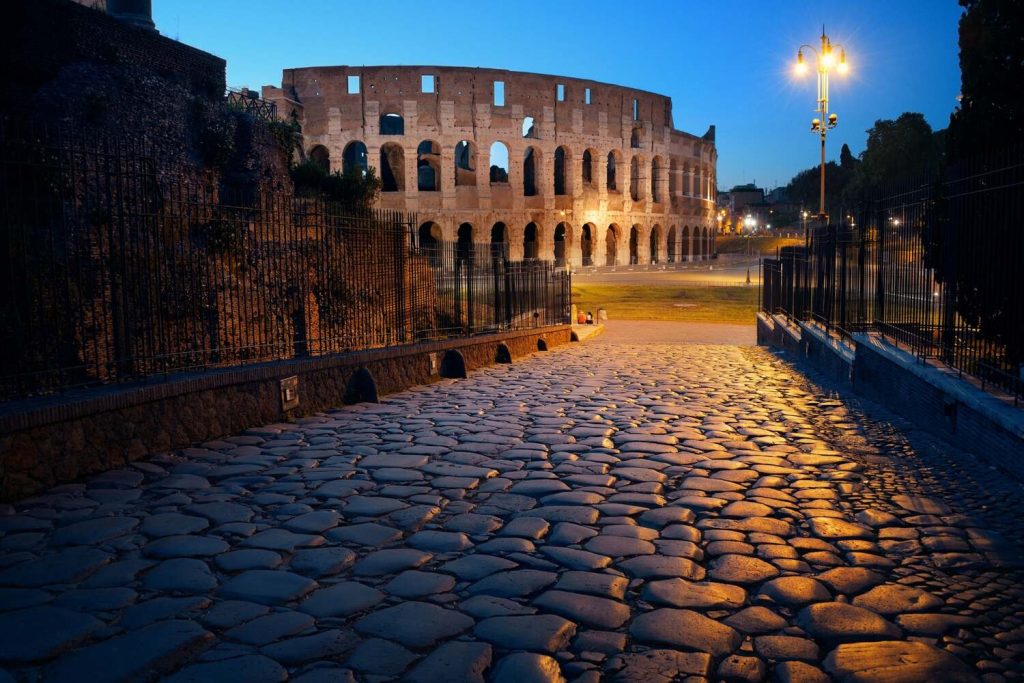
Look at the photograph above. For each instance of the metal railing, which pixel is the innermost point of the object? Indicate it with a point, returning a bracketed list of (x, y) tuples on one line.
[(934, 267), (112, 270), (250, 102)]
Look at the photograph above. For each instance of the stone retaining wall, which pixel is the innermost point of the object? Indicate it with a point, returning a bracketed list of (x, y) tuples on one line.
[(934, 398), (44, 443)]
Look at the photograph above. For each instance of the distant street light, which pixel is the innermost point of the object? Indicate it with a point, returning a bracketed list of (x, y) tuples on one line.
[(826, 61)]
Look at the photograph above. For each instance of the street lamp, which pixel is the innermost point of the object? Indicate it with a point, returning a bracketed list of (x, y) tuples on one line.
[(826, 62)]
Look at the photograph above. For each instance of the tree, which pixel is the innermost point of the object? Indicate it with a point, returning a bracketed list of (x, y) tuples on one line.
[(976, 248), (991, 109), (353, 187), (898, 151)]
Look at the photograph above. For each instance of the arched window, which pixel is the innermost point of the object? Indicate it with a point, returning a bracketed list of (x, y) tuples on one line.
[(354, 158), (634, 245), (611, 245), (392, 168), (560, 238), (611, 181), (430, 236), (465, 163), (499, 240), (428, 166), (499, 163), (529, 127), (392, 124), (673, 178), (634, 138), (560, 171), (654, 243), (321, 157), (588, 168), (685, 245), (530, 246), (672, 250), (530, 163), (587, 244)]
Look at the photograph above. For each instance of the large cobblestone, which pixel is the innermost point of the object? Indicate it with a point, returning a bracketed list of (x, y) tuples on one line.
[(660, 512)]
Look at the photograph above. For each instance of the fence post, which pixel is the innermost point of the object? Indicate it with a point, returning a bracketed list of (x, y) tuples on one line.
[(879, 316)]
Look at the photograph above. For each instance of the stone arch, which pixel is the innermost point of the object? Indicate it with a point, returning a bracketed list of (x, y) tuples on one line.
[(612, 171), (611, 245), (672, 247), (428, 166), (502, 354), (531, 171), (673, 178), (453, 365), (654, 251), (430, 235), (392, 168), (588, 175), (355, 157), (321, 156), (361, 387), (499, 239), (698, 244), (465, 163), (531, 241), (563, 175), (464, 241), (542, 344), (686, 244), (562, 238), (636, 137), (588, 236), (498, 162), (392, 123), (634, 244)]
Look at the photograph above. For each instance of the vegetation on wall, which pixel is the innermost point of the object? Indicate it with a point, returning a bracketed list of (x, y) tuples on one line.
[(353, 187)]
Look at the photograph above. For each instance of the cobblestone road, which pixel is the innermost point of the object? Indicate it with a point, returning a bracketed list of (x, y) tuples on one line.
[(641, 513)]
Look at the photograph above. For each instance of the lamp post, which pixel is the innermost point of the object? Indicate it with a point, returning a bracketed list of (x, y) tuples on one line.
[(826, 62)]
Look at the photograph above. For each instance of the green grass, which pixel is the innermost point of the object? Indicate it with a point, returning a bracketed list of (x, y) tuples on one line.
[(669, 302), (761, 244)]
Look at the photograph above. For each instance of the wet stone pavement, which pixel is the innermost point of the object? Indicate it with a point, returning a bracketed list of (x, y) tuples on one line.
[(602, 512)]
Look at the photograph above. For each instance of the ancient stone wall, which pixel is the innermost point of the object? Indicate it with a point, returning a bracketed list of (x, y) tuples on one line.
[(47, 444), (546, 189)]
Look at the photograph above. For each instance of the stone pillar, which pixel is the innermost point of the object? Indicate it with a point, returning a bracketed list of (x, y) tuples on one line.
[(601, 168), (662, 181)]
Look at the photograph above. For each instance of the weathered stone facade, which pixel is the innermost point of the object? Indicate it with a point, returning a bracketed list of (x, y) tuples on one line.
[(429, 131)]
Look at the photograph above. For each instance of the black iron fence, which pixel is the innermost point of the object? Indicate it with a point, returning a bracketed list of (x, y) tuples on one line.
[(113, 271), (250, 102), (935, 267)]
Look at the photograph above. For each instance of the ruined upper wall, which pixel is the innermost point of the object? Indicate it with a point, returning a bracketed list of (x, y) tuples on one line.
[(319, 90)]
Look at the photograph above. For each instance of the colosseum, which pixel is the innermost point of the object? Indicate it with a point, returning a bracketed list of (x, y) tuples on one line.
[(564, 169)]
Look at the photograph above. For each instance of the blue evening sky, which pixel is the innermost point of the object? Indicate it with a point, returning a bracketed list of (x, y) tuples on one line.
[(723, 62)]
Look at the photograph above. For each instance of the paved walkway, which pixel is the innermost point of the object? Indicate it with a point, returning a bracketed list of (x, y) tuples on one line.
[(670, 332), (641, 513)]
